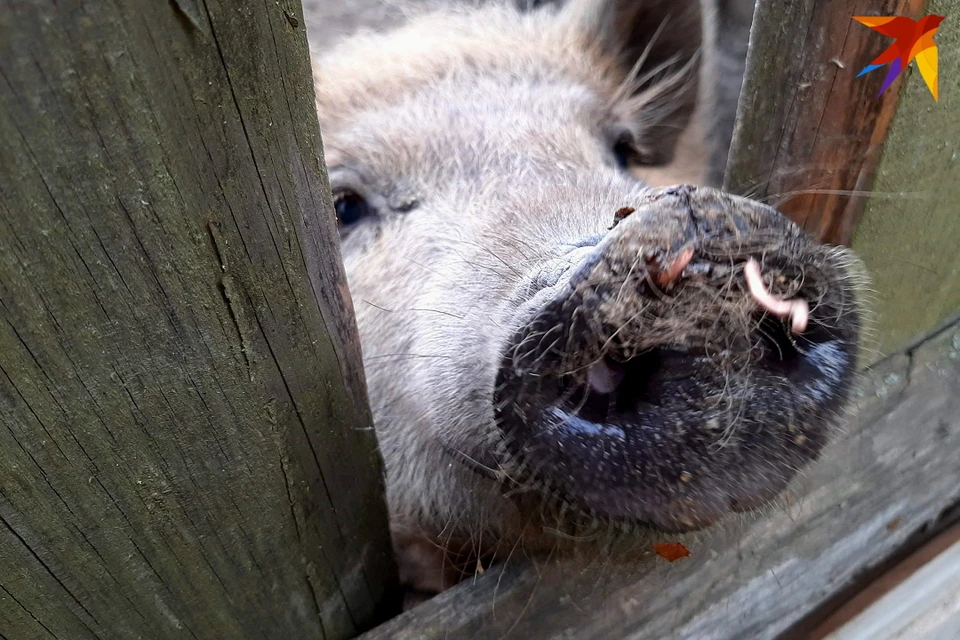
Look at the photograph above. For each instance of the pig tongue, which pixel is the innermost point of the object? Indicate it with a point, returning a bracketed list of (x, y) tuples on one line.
[(605, 378)]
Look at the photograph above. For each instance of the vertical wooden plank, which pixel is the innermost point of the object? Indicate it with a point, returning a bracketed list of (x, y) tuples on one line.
[(809, 133), (909, 237), (186, 448), (728, 35)]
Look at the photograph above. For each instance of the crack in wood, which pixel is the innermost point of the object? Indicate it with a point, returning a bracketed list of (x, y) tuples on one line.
[(188, 11)]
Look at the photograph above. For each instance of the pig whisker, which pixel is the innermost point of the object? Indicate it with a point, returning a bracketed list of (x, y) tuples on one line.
[(630, 84), (816, 187), (888, 195), (667, 88), (512, 268), (484, 267), (734, 420), (478, 550), (414, 309), (537, 253), (477, 463), (544, 352), (431, 270), (503, 570), (623, 285), (441, 312), (507, 240), (652, 73), (570, 537), (533, 592), (753, 189), (376, 306), (606, 345), (519, 354)]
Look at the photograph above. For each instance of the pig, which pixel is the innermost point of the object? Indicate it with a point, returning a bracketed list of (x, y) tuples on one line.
[(553, 345)]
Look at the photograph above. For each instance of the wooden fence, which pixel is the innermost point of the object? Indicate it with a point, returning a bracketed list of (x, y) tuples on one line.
[(170, 295), (171, 292)]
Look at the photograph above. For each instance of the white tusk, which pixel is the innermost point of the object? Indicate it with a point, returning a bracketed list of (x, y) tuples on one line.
[(797, 309)]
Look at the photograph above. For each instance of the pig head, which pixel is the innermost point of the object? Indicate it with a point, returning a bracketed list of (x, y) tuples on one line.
[(549, 340)]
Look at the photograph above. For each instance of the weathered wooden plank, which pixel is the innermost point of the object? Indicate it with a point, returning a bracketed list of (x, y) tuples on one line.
[(892, 472), (809, 133), (185, 444), (925, 605), (880, 174), (888, 580), (727, 37), (910, 230)]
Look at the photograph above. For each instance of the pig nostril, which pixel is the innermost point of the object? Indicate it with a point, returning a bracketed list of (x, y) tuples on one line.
[(636, 388), (613, 391), (667, 273)]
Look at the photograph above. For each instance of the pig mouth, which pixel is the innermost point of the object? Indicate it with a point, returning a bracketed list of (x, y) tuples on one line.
[(689, 366)]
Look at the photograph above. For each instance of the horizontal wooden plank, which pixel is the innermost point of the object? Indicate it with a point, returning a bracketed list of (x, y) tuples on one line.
[(889, 578), (925, 605), (892, 472)]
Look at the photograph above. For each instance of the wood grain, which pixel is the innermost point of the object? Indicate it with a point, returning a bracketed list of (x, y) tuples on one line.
[(809, 133), (892, 473), (910, 230), (186, 448), (926, 605), (890, 580)]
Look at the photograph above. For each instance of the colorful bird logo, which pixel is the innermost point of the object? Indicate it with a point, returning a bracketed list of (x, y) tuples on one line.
[(914, 39)]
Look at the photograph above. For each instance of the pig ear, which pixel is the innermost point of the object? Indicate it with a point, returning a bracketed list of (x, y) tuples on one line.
[(654, 46)]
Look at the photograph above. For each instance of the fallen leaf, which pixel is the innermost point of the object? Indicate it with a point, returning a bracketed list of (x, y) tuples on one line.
[(672, 551)]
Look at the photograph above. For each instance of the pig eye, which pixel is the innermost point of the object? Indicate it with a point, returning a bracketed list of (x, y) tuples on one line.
[(351, 207), (623, 151), (627, 154)]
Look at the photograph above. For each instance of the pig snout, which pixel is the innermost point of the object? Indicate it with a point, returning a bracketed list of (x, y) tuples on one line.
[(686, 366)]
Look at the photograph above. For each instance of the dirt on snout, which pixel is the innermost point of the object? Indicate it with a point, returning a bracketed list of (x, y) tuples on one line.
[(686, 367), (705, 276)]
